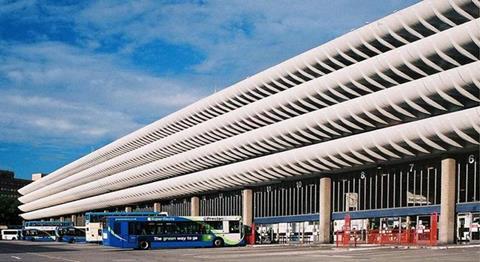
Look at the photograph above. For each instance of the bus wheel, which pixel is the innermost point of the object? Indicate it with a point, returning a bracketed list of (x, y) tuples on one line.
[(144, 245), (13, 238), (218, 242)]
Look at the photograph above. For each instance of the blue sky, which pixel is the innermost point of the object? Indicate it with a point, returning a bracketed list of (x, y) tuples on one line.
[(76, 75)]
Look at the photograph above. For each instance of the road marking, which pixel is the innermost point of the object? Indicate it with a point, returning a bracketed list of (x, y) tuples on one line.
[(52, 257), (330, 256), (292, 252), (18, 258)]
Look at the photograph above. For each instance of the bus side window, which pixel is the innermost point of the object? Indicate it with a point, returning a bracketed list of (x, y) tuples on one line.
[(234, 226), (216, 225), (202, 229), (193, 228), (159, 229)]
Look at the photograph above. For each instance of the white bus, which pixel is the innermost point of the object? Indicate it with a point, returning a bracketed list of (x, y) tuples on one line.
[(11, 234), (42, 230)]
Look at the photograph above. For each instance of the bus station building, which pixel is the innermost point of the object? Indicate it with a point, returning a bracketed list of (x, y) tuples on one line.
[(381, 123)]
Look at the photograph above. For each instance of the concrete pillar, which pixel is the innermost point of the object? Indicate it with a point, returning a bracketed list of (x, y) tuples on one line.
[(157, 207), (325, 208), (74, 220), (128, 209), (247, 207), (447, 203), (62, 219), (51, 219), (195, 206)]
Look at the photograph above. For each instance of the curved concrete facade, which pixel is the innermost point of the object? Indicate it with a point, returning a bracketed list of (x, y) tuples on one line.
[(405, 85)]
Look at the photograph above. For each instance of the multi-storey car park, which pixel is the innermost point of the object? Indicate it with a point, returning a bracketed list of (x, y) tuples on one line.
[(382, 122)]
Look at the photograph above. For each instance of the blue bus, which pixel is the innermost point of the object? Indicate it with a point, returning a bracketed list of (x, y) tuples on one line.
[(173, 232), (42, 230), (71, 234), (96, 221)]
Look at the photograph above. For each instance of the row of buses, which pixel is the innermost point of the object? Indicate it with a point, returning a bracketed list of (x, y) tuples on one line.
[(46, 231), (141, 230), (52, 231)]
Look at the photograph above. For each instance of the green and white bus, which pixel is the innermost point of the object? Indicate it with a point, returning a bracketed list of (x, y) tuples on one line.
[(146, 232)]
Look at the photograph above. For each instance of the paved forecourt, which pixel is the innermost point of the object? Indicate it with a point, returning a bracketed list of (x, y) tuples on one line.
[(53, 251)]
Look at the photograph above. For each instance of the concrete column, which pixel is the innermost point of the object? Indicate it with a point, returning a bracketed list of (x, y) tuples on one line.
[(74, 220), (51, 219), (247, 207), (157, 207), (447, 203), (325, 209), (62, 219), (128, 209), (195, 206)]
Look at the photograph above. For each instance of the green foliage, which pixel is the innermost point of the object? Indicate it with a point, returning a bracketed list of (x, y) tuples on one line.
[(9, 212)]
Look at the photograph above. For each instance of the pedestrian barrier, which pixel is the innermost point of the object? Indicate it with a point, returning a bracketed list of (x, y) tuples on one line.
[(348, 237)]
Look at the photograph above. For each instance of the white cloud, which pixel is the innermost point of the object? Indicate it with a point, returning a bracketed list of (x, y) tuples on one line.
[(53, 91), (72, 90), (240, 37), (36, 119)]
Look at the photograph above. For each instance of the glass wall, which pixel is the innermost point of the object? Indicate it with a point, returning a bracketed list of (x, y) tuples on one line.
[(144, 207), (294, 232), (177, 207), (468, 178), (405, 185), (221, 204), (287, 198)]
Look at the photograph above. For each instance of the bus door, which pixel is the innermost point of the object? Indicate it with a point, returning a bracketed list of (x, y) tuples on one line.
[(130, 239), (423, 227), (463, 227), (468, 227), (423, 224), (282, 231), (117, 234), (475, 228), (265, 233)]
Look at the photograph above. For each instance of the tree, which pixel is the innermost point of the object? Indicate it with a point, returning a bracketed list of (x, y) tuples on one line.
[(9, 212)]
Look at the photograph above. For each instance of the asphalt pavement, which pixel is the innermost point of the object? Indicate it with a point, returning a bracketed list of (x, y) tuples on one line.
[(53, 251)]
